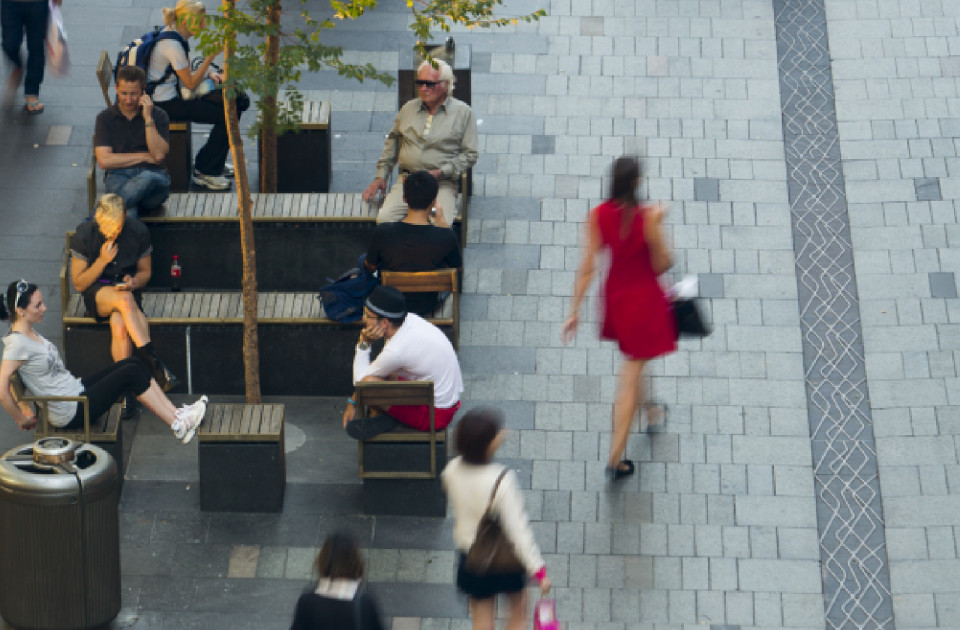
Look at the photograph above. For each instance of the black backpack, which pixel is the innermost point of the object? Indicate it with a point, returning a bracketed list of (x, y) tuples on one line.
[(137, 53)]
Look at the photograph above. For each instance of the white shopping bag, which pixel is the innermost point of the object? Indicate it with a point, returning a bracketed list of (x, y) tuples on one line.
[(56, 43)]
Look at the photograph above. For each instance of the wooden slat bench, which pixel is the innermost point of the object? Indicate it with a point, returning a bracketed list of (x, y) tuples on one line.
[(241, 458), (179, 158), (301, 238), (105, 431), (301, 351), (401, 468)]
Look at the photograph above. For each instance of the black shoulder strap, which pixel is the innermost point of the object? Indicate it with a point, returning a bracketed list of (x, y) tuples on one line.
[(496, 486)]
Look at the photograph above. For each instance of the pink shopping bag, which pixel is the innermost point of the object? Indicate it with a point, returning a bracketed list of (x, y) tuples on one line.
[(545, 615)]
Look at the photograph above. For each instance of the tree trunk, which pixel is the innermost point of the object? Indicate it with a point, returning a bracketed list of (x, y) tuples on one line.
[(251, 344), (268, 110)]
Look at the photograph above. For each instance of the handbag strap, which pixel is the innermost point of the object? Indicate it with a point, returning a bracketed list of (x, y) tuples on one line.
[(493, 494)]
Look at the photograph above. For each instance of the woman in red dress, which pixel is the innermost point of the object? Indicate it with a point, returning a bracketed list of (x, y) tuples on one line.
[(636, 312)]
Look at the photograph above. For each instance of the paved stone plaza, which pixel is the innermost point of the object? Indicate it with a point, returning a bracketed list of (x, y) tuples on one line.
[(809, 475)]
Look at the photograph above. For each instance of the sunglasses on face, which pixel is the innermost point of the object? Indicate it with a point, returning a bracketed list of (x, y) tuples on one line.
[(427, 84)]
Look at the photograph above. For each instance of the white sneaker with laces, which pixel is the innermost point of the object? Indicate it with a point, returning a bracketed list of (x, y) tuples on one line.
[(210, 182), (190, 417)]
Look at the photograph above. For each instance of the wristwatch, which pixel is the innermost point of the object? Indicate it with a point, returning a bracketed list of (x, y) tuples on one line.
[(363, 345)]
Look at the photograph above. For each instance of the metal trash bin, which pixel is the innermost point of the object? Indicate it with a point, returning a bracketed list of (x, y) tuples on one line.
[(59, 536)]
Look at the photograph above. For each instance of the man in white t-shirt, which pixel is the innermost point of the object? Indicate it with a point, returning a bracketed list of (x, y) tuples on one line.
[(415, 350)]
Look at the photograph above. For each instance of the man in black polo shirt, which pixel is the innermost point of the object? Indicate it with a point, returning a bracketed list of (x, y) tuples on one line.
[(131, 143), (414, 244)]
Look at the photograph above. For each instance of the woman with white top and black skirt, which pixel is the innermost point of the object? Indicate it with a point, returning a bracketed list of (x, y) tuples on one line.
[(470, 480)]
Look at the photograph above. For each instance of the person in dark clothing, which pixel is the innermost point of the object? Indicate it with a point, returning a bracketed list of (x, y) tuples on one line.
[(339, 601), (416, 244), (110, 264)]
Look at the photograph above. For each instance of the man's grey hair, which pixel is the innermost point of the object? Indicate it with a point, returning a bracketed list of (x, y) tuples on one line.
[(446, 72)]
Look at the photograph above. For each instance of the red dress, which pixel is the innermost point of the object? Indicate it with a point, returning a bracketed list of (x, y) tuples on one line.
[(636, 312)]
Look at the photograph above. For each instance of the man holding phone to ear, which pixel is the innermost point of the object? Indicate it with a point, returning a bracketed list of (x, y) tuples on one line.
[(110, 263)]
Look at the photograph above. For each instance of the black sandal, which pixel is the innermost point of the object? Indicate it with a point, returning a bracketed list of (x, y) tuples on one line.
[(618, 473)]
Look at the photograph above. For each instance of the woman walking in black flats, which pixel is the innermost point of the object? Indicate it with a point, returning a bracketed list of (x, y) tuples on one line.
[(636, 312)]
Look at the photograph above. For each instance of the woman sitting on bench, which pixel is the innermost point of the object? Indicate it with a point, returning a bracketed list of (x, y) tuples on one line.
[(43, 373)]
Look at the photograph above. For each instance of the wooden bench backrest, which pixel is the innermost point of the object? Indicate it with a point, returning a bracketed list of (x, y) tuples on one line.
[(421, 281), (384, 394), (105, 75)]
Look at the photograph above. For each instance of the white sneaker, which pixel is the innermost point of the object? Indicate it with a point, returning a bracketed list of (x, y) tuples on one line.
[(210, 182), (228, 171), (190, 417)]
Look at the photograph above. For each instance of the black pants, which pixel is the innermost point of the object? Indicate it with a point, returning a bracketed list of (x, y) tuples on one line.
[(105, 387), (209, 109), (17, 18)]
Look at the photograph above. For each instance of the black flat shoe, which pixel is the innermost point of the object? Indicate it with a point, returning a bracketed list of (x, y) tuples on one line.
[(618, 473), (366, 428)]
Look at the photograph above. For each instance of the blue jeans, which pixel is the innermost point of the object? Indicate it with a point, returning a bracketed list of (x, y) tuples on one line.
[(143, 189), (15, 19)]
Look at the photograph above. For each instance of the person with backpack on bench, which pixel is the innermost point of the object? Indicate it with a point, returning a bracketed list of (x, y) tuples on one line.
[(169, 64), (130, 143)]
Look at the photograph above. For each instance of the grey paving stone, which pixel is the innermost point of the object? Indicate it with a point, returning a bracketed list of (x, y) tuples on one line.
[(943, 285), (706, 189)]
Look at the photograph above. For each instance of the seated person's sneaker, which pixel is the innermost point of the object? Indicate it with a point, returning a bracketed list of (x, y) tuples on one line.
[(188, 420), (210, 182), (228, 171)]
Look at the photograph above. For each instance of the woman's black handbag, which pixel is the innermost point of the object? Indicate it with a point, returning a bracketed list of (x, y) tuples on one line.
[(491, 551), (690, 322)]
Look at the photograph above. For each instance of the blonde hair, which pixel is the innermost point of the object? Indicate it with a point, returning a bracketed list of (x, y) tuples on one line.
[(172, 17), (110, 208)]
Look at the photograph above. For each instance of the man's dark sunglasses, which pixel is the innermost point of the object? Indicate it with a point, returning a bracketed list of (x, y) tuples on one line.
[(429, 84)]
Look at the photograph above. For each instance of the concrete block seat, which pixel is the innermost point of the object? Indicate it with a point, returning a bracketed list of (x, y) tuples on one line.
[(301, 239), (241, 458)]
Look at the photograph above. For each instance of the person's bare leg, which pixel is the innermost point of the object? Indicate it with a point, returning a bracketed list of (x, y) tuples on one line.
[(121, 347), (518, 610), (110, 300), (484, 612), (629, 395), (156, 401)]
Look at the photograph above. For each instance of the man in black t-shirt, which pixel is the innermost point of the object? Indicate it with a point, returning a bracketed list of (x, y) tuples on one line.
[(415, 244), (131, 141)]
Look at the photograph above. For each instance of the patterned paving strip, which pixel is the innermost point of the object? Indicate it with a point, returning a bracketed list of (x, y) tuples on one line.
[(856, 579)]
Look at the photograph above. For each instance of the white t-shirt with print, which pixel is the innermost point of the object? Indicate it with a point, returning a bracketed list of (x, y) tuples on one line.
[(167, 52), (43, 373)]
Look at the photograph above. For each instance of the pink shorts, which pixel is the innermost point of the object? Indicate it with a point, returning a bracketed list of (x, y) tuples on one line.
[(418, 416)]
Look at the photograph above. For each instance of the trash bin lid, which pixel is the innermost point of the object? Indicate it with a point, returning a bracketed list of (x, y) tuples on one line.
[(88, 475), (54, 450)]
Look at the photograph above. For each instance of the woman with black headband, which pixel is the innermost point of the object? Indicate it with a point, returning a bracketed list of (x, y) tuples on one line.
[(42, 371)]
